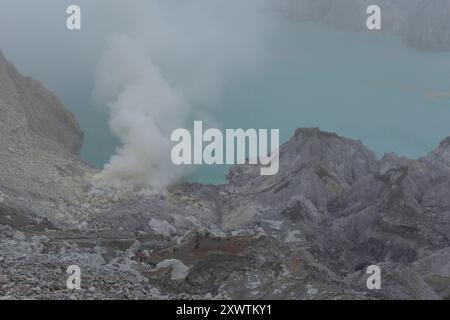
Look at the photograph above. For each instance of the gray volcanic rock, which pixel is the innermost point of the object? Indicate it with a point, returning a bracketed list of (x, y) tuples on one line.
[(428, 26), (308, 232), (438, 160), (422, 24), (38, 112), (39, 141)]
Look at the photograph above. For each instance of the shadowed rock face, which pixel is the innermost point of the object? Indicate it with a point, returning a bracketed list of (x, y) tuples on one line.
[(41, 112), (422, 24), (39, 139), (307, 233)]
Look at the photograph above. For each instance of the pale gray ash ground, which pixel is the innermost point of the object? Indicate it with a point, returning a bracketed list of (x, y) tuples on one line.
[(307, 233)]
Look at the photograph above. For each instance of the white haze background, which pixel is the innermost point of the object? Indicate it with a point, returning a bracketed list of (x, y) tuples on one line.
[(157, 76)]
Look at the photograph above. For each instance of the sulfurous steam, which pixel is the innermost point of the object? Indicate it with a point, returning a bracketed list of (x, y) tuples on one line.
[(144, 109), (170, 67)]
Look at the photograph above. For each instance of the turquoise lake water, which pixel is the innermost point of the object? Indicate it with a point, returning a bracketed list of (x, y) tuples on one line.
[(360, 85), (365, 86)]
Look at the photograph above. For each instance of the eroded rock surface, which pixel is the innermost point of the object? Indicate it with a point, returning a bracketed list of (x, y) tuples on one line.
[(307, 233)]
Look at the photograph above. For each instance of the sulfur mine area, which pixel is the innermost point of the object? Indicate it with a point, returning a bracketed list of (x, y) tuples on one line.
[(309, 232)]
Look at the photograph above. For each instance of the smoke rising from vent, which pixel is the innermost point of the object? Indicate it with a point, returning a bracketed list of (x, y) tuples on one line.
[(143, 109), (174, 61)]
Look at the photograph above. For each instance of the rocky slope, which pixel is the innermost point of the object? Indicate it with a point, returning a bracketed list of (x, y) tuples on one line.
[(422, 24), (39, 138), (307, 233)]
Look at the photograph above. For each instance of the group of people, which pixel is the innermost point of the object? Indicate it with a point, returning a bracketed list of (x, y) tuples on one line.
[(198, 238)]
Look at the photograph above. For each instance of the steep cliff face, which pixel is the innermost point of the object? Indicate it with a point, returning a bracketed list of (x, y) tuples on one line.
[(37, 114), (351, 210), (39, 142), (422, 24)]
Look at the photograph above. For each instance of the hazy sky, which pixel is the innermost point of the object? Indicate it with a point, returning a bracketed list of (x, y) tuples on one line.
[(33, 35), (193, 46)]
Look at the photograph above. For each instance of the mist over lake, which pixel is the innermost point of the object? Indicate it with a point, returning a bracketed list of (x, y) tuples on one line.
[(367, 86), (261, 150), (363, 86)]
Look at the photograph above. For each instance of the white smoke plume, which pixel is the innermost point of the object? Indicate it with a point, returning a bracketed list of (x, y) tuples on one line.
[(144, 108), (175, 57)]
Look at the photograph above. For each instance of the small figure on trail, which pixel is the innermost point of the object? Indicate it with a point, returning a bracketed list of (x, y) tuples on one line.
[(197, 240), (197, 243), (141, 256)]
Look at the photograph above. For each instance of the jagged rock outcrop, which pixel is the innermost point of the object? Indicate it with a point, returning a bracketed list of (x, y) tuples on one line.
[(34, 112), (39, 139), (307, 233)]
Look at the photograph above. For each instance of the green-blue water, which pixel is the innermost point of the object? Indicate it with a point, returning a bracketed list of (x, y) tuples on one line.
[(360, 85), (365, 86)]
